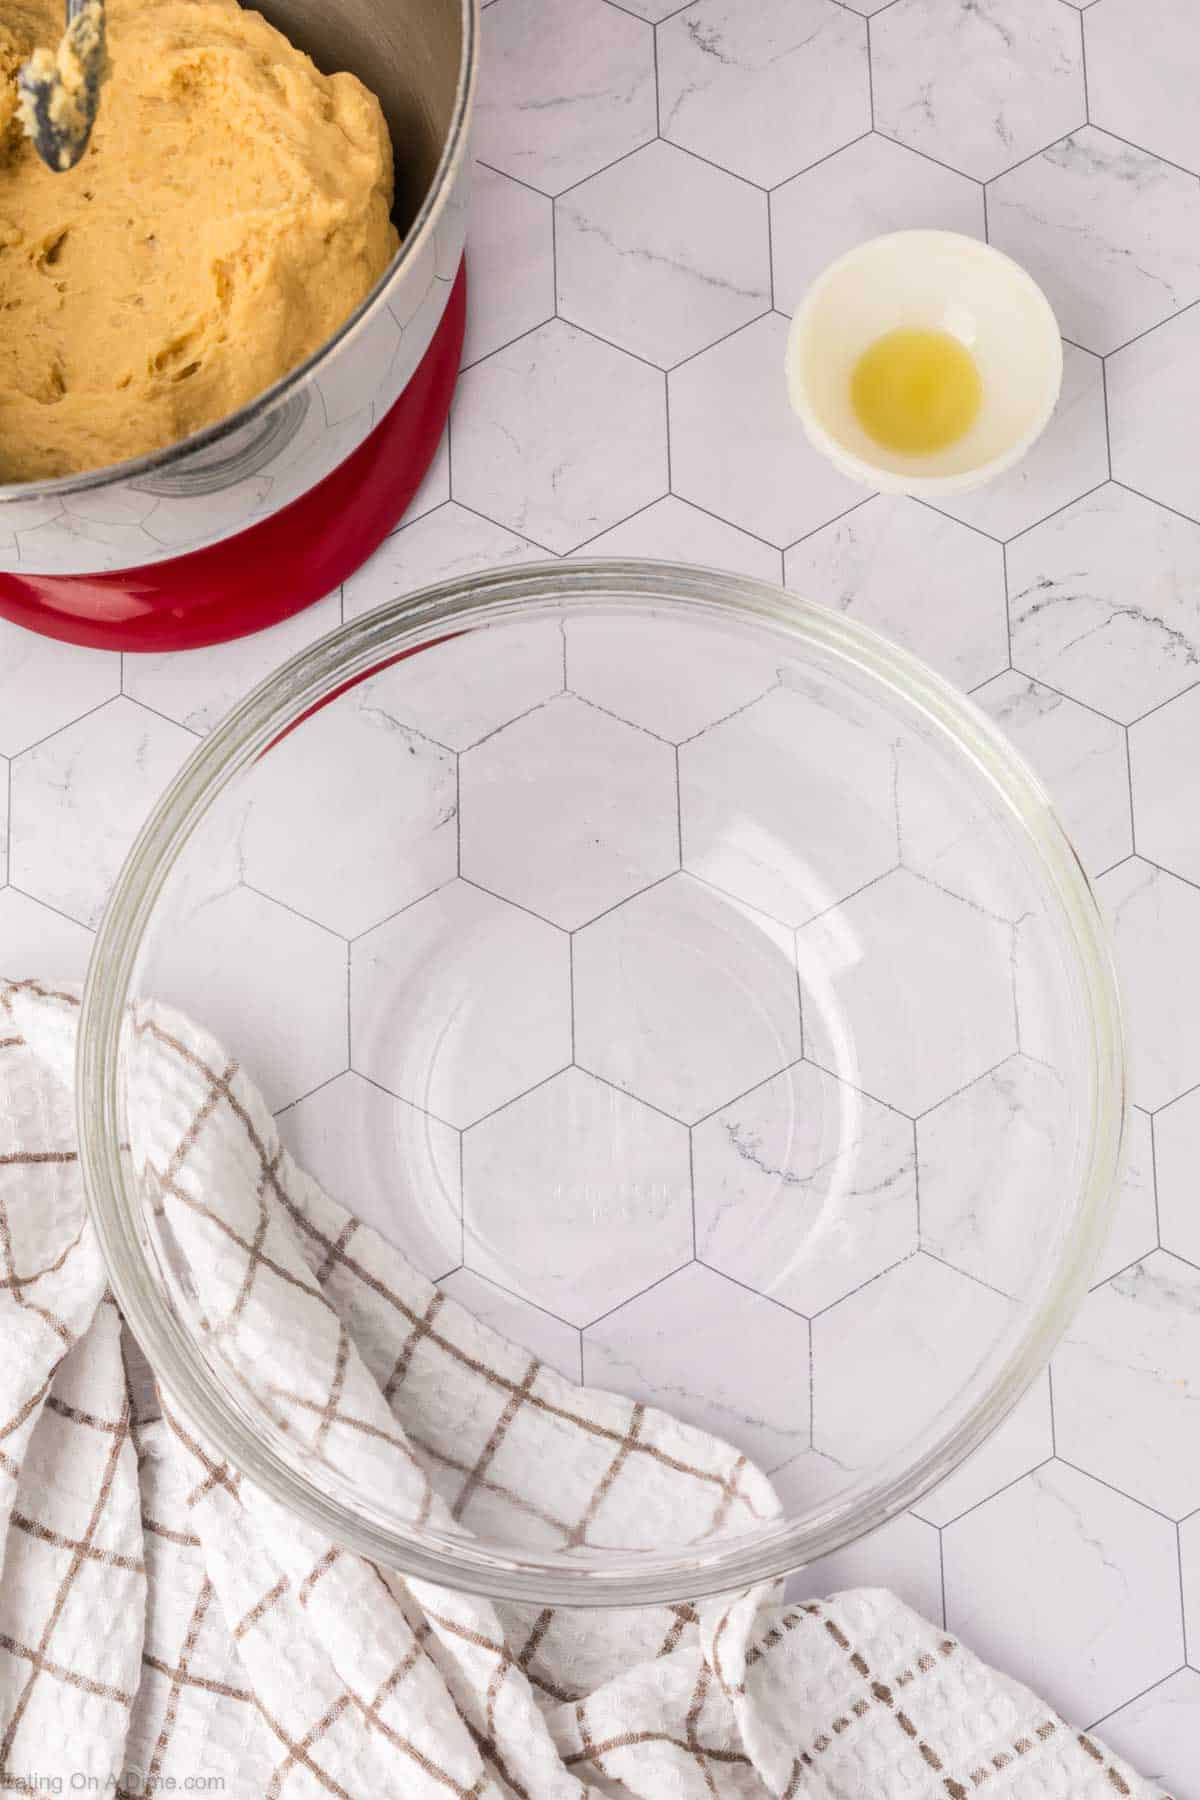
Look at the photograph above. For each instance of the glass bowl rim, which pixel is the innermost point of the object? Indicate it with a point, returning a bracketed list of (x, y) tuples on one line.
[(341, 659)]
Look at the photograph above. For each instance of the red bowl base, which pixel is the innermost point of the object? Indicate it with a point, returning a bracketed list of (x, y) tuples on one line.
[(275, 568)]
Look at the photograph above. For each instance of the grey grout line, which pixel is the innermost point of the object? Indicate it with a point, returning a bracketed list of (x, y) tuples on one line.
[(900, 1262), (870, 72), (1043, 1462), (1160, 1681), (1087, 106), (1007, 603), (614, 163), (1101, 1481), (1159, 704), (768, 312), (1163, 505), (1158, 323), (416, 1105), (1104, 409), (657, 82), (735, 1281), (349, 1009), (307, 918), (1154, 155), (771, 253), (630, 1298), (69, 724), (808, 168), (1076, 500), (1154, 1182), (941, 1570)]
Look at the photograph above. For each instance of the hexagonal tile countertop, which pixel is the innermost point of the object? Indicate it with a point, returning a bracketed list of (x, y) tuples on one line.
[(657, 183)]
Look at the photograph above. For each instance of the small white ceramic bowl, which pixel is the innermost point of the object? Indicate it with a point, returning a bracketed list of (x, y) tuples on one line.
[(932, 280)]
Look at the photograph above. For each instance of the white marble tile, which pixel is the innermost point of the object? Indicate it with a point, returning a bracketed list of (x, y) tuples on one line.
[(1155, 920), (729, 76), (320, 785), (267, 984), (34, 940), (1164, 761), (460, 1003), (568, 92), (673, 531), (3, 820), (392, 1166), (1078, 754), (737, 448), (1153, 393), (576, 1197), (567, 811), (888, 1358), (670, 1348), (1070, 458), (1126, 1395), (788, 805), (949, 837), (923, 580), (907, 991), (871, 187), (544, 1336), (662, 254), (1176, 1161), (583, 98), (45, 685), (978, 87), (904, 1555), (1189, 1547), (447, 544), (1133, 1233), (1020, 1443), (804, 1189), (1140, 60), (685, 998), (511, 274), (79, 798), (1102, 601), (1068, 1587), (559, 436), (1157, 1733), (988, 1161), (458, 691), (670, 678), (197, 687), (1106, 230)]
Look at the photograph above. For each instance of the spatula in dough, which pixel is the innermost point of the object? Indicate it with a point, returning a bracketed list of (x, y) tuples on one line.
[(60, 89)]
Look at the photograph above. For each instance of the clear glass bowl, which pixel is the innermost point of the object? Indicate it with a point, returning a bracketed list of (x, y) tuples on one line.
[(693, 980)]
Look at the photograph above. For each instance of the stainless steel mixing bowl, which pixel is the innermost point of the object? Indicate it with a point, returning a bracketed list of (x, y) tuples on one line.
[(419, 57)]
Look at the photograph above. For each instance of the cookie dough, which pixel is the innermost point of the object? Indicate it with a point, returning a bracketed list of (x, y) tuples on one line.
[(232, 209)]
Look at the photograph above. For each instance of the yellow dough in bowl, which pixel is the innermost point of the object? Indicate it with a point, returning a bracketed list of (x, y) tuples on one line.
[(231, 210)]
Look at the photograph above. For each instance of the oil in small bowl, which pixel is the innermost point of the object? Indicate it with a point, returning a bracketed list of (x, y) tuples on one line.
[(916, 391)]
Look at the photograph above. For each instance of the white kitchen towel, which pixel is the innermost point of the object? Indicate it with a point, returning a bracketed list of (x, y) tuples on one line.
[(166, 1628)]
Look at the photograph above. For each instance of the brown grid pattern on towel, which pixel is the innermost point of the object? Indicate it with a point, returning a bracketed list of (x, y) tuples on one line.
[(177, 1676), (521, 1403)]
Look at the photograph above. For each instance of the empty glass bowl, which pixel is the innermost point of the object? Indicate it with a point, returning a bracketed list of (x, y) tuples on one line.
[(691, 983)]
